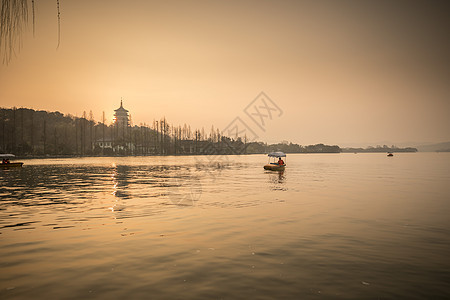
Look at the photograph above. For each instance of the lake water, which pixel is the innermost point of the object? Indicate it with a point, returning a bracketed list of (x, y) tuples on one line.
[(349, 226)]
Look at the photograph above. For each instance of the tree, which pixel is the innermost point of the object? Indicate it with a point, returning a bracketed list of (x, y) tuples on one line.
[(14, 18), (91, 131)]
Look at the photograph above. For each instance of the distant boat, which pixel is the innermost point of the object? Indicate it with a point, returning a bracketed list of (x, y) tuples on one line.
[(7, 164), (390, 154), (274, 165)]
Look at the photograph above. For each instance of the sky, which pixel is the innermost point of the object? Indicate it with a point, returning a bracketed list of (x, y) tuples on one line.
[(351, 73)]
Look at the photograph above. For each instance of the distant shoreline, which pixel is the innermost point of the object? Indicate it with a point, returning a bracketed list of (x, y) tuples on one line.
[(379, 150), (186, 155)]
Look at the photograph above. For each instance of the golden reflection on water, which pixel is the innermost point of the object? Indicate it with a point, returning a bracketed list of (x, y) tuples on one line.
[(343, 225), (120, 182), (115, 185)]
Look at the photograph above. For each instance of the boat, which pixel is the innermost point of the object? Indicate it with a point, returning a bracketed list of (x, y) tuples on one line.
[(274, 165), (7, 164), (390, 154)]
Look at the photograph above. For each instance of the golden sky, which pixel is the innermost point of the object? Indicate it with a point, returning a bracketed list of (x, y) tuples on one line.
[(342, 72)]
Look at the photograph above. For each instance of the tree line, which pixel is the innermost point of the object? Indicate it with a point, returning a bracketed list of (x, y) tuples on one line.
[(27, 132), (259, 147), (378, 149)]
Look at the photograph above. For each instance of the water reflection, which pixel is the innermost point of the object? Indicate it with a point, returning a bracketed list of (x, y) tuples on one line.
[(51, 185), (130, 189), (311, 231), (277, 180), (120, 184)]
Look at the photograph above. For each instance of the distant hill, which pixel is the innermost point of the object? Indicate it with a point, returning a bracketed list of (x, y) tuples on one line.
[(441, 147)]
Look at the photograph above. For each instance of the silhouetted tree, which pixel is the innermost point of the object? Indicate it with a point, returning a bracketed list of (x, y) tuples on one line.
[(14, 17)]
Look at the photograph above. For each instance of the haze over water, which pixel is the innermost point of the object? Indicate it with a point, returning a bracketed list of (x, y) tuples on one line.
[(351, 73), (331, 226)]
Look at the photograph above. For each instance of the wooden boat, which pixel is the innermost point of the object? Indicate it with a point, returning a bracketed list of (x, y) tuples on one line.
[(275, 166), (5, 163), (11, 165)]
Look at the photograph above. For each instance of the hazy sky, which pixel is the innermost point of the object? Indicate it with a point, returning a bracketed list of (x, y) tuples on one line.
[(342, 72)]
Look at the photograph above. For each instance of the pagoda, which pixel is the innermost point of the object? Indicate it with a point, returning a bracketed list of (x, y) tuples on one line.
[(121, 119)]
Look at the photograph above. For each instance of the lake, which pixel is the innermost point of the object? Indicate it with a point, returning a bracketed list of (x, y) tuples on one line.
[(332, 226)]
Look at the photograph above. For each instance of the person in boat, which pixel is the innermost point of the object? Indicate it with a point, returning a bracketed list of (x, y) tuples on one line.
[(5, 161), (280, 161)]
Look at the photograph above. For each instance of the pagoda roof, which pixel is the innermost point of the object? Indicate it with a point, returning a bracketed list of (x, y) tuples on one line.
[(121, 109)]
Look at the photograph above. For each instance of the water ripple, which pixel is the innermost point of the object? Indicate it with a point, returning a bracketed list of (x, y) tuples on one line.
[(330, 226)]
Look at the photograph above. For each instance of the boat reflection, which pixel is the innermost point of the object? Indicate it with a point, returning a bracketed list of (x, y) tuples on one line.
[(277, 180)]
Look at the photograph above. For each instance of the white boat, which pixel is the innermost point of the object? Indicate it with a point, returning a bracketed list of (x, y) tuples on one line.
[(275, 165)]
